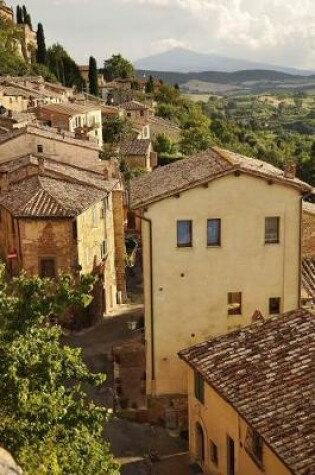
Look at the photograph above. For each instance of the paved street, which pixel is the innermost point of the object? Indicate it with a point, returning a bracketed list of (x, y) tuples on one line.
[(131, 442)]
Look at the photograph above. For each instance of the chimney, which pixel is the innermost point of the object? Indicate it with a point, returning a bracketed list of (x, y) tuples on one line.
[(4, 182), (257, 317), (290, 168), (41, 165)]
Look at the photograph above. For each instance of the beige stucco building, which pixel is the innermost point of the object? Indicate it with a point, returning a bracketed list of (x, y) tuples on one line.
[(246, 416), (221, 237)]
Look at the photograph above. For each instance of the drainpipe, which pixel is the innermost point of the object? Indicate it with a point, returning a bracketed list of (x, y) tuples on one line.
[(147, 220)]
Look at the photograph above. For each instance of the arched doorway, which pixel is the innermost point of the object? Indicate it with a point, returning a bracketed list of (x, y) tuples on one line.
[(200, 444)]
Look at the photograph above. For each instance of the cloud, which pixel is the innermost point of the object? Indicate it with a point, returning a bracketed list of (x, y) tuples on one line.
[(274, 27), (169, 43)]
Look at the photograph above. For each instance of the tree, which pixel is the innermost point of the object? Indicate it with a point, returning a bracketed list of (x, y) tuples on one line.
[(19, 18), (28, 21), (41, 54), (195, 133), (64, 67), (93, 77), (118, 67), (24, 13), (149, 86), (46, 420)]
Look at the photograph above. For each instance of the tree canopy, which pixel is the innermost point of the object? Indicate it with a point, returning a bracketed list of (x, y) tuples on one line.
[(118, 67), (63, 66), (46, 419)]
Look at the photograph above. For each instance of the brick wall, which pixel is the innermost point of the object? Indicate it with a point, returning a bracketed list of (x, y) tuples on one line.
[(308, 242)]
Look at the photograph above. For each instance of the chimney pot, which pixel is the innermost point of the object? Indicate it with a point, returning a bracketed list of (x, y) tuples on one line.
[(290, 169)]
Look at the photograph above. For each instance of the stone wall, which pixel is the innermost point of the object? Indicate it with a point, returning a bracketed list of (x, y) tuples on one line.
[(308, 242), (119, 218)]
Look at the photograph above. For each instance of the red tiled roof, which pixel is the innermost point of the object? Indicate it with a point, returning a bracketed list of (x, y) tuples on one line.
[(43, 197), (135, 147), (133, 105), (202, 168), (266, 372)]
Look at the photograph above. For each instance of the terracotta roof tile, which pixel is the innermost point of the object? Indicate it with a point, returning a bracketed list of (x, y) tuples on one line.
[(308, 280), (43, 197), (135, 147), (203, 167), (133, 105), (266, 372)]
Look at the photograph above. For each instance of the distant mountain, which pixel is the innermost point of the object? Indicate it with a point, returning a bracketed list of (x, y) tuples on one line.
[(185, 61)]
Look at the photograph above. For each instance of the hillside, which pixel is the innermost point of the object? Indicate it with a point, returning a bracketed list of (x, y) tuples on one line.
[(235, 83), (184, 61)]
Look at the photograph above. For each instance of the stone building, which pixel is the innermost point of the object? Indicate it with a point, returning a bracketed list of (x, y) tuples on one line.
[(57, 218), (39, 139), (6, 12), (251, 398), (221, 238), (82, 118), (138, 153), (308, 255)]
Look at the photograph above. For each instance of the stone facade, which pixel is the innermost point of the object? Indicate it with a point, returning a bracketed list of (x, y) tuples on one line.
[(6, 12), (51, 142), (308, 243), (119, 219)]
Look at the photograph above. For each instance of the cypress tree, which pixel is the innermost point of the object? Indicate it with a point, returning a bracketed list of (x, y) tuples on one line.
[(28, 21), (41, 55), (93, 79), (19, 15), (24, 14)]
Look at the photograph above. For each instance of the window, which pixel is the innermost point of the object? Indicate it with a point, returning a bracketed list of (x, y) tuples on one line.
[(272, 230), (214, 453), (47, 268), (234, 303), (214, 232), (254, 446), (40, 148), (103, 249), (199, 387), (274, 305), (184, 233), (74, 230), (230, 453)]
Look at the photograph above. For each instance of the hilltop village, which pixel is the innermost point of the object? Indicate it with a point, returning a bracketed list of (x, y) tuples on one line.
[(203, 293)]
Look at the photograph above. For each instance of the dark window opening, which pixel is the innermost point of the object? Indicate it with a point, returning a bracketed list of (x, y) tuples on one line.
[(234, 303), (74, 230), (272, 226), (40, 148), (214, 232), (199, 387), (274, 305), (47, 268), (214, 457), (184, 233), (230, 456)]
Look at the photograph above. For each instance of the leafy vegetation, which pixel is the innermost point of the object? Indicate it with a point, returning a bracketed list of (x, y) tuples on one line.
[(46, 420), (64, 67), (118, 67), (271, 128)]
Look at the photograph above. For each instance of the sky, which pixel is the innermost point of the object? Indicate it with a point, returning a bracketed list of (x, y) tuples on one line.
[(280, 32)]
